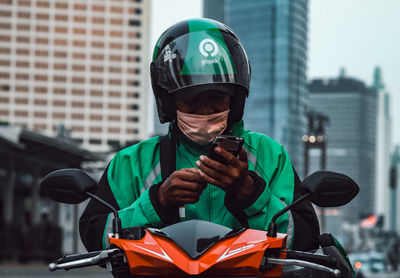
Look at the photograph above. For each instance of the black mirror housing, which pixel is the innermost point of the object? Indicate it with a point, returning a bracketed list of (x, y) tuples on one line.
[(68, 186), (330, 189)]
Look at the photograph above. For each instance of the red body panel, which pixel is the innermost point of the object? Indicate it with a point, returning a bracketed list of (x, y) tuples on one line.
[(238, 255)]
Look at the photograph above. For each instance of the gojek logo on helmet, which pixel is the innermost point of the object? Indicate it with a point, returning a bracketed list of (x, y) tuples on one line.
[(208, 48)]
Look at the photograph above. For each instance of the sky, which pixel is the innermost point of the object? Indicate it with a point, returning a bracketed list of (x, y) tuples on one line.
[(355, 34)]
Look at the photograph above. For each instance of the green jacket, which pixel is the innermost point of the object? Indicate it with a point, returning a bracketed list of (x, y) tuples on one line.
[(127, 181)]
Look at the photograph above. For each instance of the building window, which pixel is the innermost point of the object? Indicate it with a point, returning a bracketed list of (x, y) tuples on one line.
[(134, 35), (60, 54), (80, 7), (96, 105), (115, 69), (79, 31), (40, 77), (112, 33), (21, 76), (97, 56), (40, 90), (39, 114), (114, 106), (134, 22), (77, 116), (114, 130), (23, 27), (116, 10), (60, 42), (95, 129), (98, 8), (96, 117), (21, 88), (133, 119), (5, 38), (79, 19), (41, 65), (59, 103), (5, 87), (115, 57), (42, 53), (98, 20), (98, 44), (43, 4), (77, 128), (95, 141), (21, 101), (60, 66), (77, 92), (23, 15), (117, 82), (96, 93), (116, 45), (78, 104), (41, 28), (19, 113), (96, 81), (5, 26), (40, 102), (23, 39), (42, 16), (133, 106), (135, 11), (61, 29), (59, 91), (77, 55), (78, 67), (61, 5), (22, 64), (59, 78), (134, 83), (132, 131), (116, 21), (42, 41), (114, 118), (77, 79), (96, 69), (60, 17), (58, 115), (115, 94)]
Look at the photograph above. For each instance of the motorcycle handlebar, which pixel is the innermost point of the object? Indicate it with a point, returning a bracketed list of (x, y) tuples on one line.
[(82, 260)]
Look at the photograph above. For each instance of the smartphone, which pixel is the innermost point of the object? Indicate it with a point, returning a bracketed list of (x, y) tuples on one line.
[(232, 144)]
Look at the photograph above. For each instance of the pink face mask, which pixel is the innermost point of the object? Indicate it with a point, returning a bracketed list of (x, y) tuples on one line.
[(202, 129)]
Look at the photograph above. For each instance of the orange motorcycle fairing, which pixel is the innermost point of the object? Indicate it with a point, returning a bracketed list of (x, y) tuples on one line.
[(238, 255)]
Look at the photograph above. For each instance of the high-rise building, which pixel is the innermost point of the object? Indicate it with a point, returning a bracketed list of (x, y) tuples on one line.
[(81, 64), (352, 109), (383, 149), (274, 34)]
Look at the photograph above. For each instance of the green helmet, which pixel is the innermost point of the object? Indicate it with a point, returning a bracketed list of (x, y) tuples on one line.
[(194, 56)]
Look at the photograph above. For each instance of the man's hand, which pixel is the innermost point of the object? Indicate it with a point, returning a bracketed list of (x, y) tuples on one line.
[(235, 174), (182, 187)]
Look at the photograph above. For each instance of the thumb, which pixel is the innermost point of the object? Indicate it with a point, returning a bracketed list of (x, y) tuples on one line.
[(243, 155)]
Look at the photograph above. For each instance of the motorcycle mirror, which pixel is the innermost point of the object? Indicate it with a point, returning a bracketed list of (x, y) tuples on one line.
[(330, 189), (69, 186)]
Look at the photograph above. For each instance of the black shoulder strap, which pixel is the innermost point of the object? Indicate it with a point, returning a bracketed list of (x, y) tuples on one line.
[(167, 156)]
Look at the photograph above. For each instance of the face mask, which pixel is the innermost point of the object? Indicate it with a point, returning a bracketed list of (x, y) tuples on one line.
[(202, 129)]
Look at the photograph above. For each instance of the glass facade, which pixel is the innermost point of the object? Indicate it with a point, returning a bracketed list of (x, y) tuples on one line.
[(274, 34), (351, 148)]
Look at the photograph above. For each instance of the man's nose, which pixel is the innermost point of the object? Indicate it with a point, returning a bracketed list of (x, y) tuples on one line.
[(205, 110)]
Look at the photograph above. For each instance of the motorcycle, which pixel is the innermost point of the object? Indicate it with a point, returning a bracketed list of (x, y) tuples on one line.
[(197, 248)]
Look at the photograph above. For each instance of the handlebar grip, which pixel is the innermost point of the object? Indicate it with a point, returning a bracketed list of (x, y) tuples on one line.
[(321, 259), (74, 257)]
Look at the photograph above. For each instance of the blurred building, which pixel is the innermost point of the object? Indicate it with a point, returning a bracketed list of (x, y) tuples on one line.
[(31, 225), (393, 201), (274, 34), (352, 109), (383, 150), (83, 64)]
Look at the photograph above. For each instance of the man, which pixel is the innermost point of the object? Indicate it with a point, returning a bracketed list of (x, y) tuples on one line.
[(200, 77)]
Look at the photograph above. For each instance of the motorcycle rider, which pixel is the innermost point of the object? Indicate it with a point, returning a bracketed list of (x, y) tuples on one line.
[(200, 76)]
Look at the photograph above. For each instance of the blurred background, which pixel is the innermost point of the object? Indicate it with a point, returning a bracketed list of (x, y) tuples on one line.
[(74, 89)]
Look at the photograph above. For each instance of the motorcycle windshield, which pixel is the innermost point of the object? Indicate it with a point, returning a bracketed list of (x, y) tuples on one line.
[(195, 236)]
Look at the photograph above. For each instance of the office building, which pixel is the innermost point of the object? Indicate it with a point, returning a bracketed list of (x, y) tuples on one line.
[(383, 149), (274, 34), (81, 64), (352, 109)]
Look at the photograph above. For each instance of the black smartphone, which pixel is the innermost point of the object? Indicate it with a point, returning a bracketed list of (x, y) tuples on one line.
[(232, 144)]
